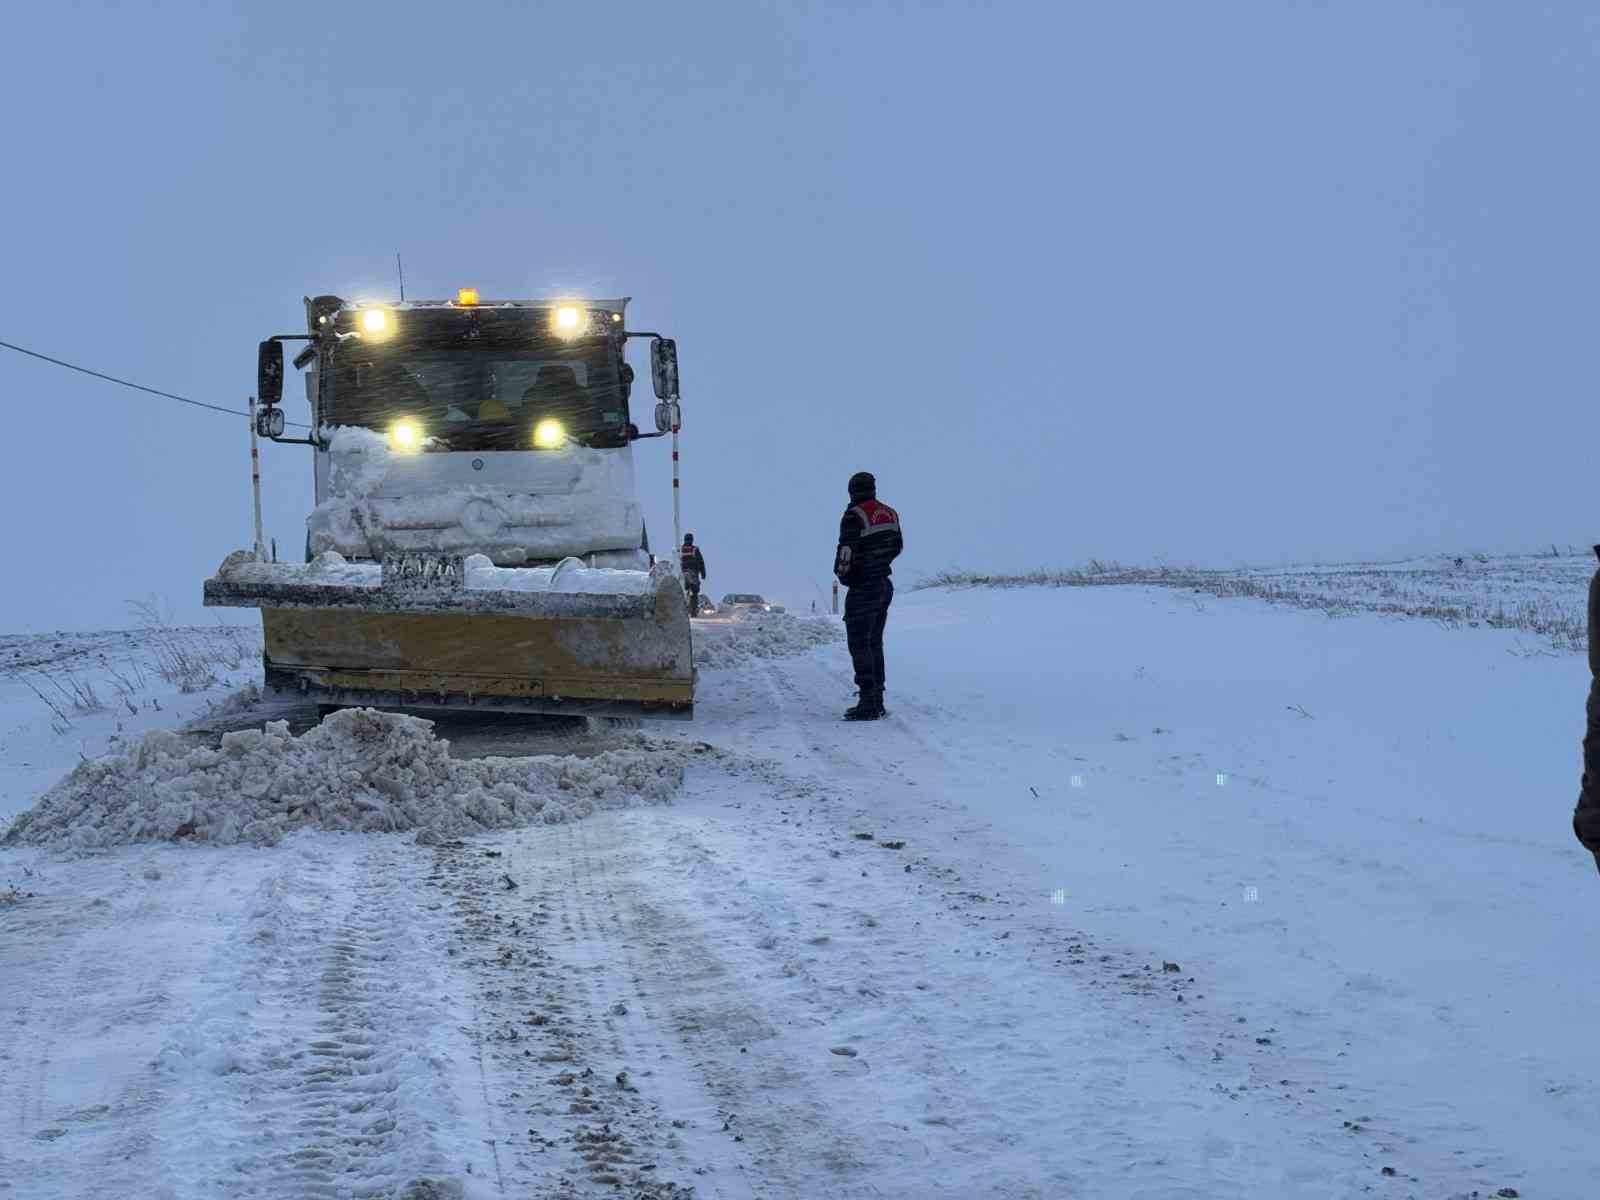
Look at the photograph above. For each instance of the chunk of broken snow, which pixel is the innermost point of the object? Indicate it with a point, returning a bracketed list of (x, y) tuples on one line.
[(479, 575), (570, 575), (328, 568), (359, 770), (719, 644)]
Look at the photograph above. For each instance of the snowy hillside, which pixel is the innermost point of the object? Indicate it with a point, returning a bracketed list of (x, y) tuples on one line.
[(1139, 892), (1542, 594)]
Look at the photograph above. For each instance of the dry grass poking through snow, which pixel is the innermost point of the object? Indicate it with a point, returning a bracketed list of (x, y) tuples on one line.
[(1544, 595), (76, 675), (189, 657)]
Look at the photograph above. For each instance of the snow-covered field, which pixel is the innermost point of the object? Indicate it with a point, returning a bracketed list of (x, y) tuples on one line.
[(66, 697), (1541, 594), (1139, 892)]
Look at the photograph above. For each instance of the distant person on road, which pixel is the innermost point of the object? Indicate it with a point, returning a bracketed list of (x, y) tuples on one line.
[(693, 565), (869, 540), (1586, 817)]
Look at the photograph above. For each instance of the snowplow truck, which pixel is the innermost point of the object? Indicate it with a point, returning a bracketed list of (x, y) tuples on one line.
[(476, 540)]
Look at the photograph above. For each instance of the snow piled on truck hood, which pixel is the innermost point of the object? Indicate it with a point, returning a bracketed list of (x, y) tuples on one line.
[(515, 506), (359, 770), (358, 459)]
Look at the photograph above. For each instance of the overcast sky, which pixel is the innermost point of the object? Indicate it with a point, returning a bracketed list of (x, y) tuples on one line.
[(1216, 283)]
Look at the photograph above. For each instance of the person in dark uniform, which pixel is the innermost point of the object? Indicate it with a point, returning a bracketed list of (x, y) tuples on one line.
[(1586, 816), (869, 540), (693, 565)]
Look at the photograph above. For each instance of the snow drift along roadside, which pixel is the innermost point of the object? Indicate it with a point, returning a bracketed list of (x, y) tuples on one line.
[(359, 770), (732, 643)]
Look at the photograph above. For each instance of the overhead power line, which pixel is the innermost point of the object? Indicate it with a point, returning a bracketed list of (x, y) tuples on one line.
[(138, 387)]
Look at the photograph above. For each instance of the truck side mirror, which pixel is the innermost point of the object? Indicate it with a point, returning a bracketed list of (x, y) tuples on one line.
[(269, 373), (664, 367), (269, 422), (668, 415)]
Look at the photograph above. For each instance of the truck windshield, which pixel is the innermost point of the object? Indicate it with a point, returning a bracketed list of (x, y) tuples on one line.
[(488, 396)]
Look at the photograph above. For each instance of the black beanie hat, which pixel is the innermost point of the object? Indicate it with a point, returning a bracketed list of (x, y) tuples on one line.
[(863, 486)]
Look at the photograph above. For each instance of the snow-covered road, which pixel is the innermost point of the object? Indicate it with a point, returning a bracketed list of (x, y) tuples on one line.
[(1136, 894)]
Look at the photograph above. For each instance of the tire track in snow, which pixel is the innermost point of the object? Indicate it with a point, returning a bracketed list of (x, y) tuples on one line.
[(625, 1007), (85, 1011), (837, 742), (819, 965), (329, 1090), (34, 1071), (561, 1073), (759, 1120)]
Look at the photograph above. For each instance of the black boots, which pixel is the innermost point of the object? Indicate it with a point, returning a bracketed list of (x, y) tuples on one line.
[(868, 708)]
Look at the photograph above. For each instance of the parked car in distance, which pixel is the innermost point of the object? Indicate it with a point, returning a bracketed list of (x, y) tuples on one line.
[(735, 603)]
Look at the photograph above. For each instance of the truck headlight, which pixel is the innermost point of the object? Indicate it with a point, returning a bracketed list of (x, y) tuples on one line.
[(549, 434), (405, 436)]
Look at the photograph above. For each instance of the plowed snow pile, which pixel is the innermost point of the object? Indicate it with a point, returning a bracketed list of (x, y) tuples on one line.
[(740, 640), (358, 770)]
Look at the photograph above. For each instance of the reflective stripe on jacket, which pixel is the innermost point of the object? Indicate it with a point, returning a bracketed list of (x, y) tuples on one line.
[(870, 539)]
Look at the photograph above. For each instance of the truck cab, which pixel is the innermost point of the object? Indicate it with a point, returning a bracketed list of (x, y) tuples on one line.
[(499, 428)]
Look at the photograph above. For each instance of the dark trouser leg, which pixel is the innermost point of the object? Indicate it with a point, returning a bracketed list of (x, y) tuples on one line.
[(877, 636), (865, 609), (694, 599), (1586, 818)]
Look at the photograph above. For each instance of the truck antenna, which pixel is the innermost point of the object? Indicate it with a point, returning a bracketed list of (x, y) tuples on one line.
[(402, 271)]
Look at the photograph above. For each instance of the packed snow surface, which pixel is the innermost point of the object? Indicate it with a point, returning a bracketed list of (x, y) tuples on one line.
[(731, 643), (1139, 892), (359, 770)]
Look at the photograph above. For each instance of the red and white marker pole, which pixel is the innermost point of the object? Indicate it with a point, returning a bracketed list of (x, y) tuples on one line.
[(255, 481), (677, 534)]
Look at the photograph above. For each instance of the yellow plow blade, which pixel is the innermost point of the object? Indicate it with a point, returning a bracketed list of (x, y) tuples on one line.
[(561, 649)]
